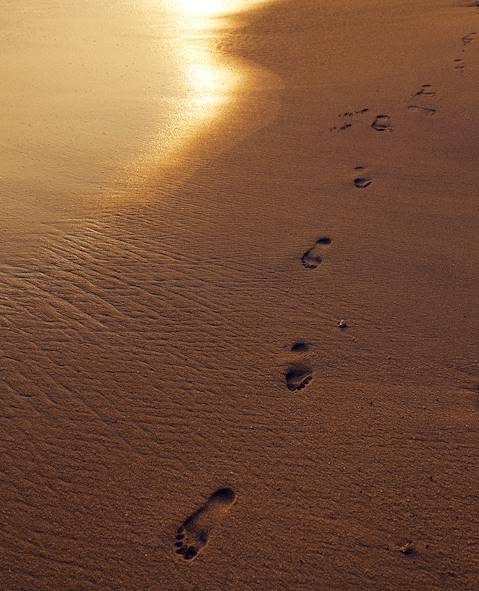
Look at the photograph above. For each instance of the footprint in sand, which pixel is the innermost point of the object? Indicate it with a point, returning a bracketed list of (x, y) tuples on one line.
[(425, 90), (298, 376), (312, 258), (421, 97), (382, 123), (467, 39), (426, 110), (299, 373), (349, 117), (363, 181), (193, 535)]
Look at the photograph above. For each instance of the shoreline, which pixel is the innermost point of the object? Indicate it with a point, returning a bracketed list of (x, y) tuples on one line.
[(148, 355)]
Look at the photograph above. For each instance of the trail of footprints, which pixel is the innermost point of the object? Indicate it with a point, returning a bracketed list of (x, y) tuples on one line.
[(193, 535), (351, 119), (459, 63), (299, 373)]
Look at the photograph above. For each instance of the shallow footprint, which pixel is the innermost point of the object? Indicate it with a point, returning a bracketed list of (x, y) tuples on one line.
[(425, 90), (427, 110), (298, 377), (469, 38), (382, 123), (193, 535), (348, 117), (313, 257)]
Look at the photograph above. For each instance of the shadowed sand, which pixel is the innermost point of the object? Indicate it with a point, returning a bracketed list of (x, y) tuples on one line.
[(146, 346)]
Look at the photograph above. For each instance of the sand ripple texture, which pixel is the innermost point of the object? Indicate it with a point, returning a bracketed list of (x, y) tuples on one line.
[(157, 353)]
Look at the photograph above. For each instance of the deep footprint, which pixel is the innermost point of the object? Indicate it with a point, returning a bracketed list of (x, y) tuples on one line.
[(298, 377), (313, 257), (361, 182), (193, 535), (382, 123)]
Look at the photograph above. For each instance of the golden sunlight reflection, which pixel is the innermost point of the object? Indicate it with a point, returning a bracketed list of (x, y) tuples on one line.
[(107, 96), (209, 80), (213, 7), (207, 84), (202, 7)]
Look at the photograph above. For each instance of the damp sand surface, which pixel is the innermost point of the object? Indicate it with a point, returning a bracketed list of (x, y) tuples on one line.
[(264, 375)]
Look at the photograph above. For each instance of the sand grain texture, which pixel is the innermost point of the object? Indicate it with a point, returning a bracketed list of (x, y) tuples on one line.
[(145, 349)]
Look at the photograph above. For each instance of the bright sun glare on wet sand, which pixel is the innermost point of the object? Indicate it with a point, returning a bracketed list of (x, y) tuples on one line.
[(208, 79), (202, 7), (104, 94), (213, 7)]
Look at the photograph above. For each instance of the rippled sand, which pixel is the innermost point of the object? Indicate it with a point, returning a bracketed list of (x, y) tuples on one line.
[(253, 364)]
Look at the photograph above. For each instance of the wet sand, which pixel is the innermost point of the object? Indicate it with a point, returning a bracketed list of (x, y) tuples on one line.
[(181, 408)]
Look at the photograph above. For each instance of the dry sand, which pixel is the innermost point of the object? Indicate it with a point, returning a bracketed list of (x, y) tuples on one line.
[(151, 355)]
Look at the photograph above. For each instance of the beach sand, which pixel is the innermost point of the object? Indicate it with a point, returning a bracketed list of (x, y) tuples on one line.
[(181, 409)]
